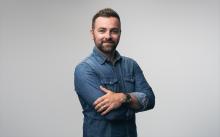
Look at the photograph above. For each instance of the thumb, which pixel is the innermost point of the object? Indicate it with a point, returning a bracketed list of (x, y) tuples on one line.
[(104, 89)]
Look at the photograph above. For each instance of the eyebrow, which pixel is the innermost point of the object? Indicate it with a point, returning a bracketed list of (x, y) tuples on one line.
[(110, 29), (102, 28)]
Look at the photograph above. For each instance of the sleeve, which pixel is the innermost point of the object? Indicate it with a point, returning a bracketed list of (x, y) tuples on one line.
[(87, 85), (143, 92)]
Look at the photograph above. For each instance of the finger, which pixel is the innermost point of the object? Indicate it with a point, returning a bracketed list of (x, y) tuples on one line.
[(97, 101), (107, 110), (102, 108), (104, 89), (100, 104)]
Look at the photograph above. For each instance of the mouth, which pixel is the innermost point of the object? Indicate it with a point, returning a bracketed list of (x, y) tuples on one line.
[(109, 42)]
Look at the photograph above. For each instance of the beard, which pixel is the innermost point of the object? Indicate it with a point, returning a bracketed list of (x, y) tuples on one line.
[(107, 47)]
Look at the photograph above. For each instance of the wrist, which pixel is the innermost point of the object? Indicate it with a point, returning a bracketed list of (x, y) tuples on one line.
[(127, 98), (122, 98)]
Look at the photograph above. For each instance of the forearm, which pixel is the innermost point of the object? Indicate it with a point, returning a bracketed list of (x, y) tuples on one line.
[(121, 113)]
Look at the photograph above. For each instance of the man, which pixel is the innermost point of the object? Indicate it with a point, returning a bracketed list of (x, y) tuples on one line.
[(111, 88)]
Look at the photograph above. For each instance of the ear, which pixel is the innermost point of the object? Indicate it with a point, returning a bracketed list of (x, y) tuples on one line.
[(92, 34)]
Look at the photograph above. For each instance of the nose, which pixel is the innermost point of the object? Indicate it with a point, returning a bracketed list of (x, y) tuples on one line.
[(108, 35)]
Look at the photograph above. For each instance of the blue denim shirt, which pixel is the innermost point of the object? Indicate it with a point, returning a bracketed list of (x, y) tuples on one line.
[(124, 75)]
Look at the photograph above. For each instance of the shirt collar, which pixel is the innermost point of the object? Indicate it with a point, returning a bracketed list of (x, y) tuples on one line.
[(102, 58)]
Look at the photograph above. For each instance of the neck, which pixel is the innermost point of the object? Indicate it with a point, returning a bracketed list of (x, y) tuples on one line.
[(110, 55)]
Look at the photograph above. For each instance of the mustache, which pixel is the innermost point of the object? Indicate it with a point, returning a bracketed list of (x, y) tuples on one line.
[(108, 41)]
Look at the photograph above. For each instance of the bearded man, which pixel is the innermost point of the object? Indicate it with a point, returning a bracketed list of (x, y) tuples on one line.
[(111, 88)]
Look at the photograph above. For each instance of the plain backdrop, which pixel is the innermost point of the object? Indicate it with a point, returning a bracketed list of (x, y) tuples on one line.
[(176, 43)]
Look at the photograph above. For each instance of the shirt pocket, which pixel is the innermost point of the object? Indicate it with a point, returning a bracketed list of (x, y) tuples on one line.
[(129, 83), (110, 83)]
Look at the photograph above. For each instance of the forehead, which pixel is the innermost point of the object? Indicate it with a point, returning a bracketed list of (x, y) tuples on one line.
[(107, 22)]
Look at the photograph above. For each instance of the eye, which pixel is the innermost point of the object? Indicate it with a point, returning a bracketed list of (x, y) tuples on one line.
[(115, 31), (101, 30)]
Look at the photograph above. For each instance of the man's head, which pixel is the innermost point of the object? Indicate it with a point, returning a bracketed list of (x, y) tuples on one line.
[(106, 30)]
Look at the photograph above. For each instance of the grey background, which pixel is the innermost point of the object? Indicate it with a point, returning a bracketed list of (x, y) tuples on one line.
[(176, 43)]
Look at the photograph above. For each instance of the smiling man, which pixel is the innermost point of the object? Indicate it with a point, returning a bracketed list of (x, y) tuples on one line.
[(111, 88)]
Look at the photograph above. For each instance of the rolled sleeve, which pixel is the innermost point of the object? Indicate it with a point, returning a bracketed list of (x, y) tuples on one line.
[(142, 100)]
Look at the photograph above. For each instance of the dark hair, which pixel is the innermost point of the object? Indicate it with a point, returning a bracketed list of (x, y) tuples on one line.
[(107, 12)]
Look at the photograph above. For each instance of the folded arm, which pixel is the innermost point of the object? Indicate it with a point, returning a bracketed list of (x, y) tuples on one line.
[(87, 86), (143, 97)]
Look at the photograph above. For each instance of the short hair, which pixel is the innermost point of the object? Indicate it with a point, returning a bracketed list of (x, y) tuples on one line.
[(107, 12)]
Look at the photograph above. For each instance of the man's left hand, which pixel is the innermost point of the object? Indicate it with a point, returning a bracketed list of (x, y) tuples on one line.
[(109, 101)]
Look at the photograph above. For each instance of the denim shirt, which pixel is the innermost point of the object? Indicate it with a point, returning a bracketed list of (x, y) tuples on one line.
[(124, 75)]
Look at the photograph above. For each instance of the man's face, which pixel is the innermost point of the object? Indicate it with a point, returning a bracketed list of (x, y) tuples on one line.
[(106, 34)]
